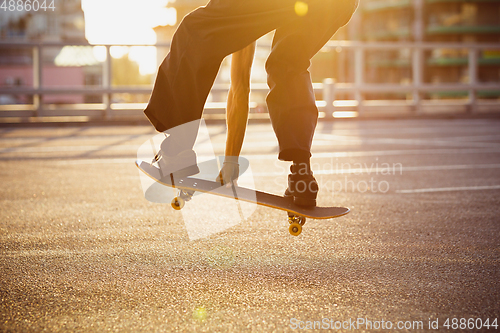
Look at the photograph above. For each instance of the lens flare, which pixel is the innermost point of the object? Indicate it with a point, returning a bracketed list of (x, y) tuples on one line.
[(200, 313), (301, 8)]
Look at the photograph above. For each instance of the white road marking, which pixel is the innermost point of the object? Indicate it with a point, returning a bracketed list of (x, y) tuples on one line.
[(390, 171), (449, 189), (271, 156), (98, 161), (352, 140), (398, 152), (56, 149)]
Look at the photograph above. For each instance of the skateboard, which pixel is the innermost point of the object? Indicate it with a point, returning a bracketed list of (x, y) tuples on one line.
[(188, 186)]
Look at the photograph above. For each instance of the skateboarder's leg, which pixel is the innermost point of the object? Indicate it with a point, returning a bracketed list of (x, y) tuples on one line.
[(291, 101), (198, 47)]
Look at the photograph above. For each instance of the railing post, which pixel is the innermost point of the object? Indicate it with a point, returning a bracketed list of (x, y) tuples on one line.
[(472, 107), (359, 71), (37, 79), (417, 73), (419, 20), (106, 82), (329, 97)]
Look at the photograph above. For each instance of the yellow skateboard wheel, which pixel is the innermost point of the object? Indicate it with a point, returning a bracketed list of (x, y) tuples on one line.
[(177, 203), (295, 229)]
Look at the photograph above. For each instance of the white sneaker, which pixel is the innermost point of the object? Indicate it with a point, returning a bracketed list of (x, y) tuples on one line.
[(180, 165)]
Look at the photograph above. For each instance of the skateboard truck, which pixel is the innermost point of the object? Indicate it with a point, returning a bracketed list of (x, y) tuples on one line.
[(183, 196), (296, 223)]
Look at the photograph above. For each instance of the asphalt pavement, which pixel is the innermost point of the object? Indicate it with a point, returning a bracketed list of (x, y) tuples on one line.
[(81, 249)]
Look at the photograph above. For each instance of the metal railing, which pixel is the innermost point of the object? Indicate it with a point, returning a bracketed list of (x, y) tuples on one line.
[(329, 106), (417, 86)]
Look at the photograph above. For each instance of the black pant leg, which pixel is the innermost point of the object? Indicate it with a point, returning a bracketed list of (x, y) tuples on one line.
[(198, 47), (291, 101)]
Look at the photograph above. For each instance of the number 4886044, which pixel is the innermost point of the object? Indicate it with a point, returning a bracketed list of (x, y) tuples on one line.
[(471, 323), (27, 5)]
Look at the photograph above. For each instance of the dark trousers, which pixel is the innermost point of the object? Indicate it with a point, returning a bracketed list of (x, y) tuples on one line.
[(207, 35)]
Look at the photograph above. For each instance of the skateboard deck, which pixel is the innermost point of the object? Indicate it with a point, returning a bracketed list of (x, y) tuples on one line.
[(189, 185)]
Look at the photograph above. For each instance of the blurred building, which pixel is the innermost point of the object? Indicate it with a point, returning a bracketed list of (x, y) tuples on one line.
[(62, 66), (63, 24), (458, 21)]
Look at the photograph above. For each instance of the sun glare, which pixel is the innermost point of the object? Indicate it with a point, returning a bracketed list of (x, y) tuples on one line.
[(127, 22)]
